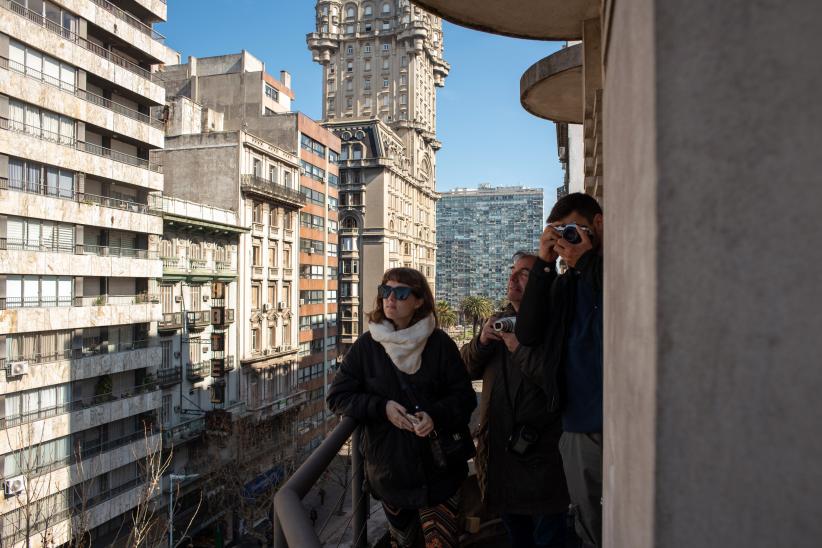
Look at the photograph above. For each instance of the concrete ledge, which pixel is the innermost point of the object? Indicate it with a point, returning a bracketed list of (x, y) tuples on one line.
[(552, 87), (539, 19), (26, 320)]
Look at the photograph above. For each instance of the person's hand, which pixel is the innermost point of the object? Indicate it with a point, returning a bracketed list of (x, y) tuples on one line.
[(570, 253), (510, 340), (547, 242), (488, 335), (425, 425), (396, 415)]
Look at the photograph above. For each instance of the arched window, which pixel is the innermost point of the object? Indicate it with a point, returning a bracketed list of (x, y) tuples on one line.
[(166, 249), (195, 251), (349, 222), (386, 8), (350, 12), (368, 11)]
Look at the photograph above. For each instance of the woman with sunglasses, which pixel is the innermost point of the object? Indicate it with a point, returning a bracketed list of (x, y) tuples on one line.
[(405, 382)]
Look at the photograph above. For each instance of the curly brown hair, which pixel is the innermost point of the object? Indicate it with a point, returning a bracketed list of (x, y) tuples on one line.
[(419, 288)]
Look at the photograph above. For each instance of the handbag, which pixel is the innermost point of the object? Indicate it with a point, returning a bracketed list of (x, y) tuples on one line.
[(447, 446)]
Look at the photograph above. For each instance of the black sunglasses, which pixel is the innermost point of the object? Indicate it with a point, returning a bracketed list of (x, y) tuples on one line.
[(401, 292)]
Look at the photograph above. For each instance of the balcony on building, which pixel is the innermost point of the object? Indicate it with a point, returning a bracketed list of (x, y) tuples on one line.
[(183, 432), (257, 186), (170, 321), (196, 372), (198, 319), (266, 408), (169, 376), (111, 61)]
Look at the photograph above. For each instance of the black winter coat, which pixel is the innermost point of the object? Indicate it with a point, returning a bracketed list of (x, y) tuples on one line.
[(533, 483), (546, 313), (399, 464)]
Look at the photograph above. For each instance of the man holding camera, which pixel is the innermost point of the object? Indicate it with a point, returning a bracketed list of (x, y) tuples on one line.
[(562, 315), (518, 464)]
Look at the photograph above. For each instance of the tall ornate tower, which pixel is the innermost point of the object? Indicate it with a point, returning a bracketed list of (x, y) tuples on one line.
[(382, 62)]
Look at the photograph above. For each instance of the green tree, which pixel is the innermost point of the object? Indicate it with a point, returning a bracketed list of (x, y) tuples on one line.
[(477, 308), (446, 314)]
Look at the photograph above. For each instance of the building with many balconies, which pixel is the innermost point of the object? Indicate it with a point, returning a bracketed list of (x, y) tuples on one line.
[(382, 62), (79, 229)]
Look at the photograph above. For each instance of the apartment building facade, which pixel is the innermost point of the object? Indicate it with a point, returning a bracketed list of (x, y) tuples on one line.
[(247, 97), (80, 224), (382, 62), (478, 231)]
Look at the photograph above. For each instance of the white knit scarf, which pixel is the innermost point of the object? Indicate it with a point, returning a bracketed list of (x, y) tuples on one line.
[(404, 346)]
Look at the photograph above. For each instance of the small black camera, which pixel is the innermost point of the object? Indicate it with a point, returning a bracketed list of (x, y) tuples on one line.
[(522, 439), (570, 232)]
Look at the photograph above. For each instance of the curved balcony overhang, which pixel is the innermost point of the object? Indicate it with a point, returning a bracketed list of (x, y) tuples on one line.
[(552, 87), (537, 19)]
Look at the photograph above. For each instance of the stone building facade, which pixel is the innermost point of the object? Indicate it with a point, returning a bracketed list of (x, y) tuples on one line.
[(478, 230), (238, 90), (382, 62), (79, 231)]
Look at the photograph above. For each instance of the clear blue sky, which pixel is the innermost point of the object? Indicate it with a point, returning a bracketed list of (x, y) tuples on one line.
[(486, 134)]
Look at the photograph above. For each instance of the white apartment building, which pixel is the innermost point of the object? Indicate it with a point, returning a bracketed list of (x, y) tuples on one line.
[(79, 230)]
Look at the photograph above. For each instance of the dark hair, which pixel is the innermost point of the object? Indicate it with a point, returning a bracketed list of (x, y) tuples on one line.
[(578, 202), (419, 288), (522, 254)]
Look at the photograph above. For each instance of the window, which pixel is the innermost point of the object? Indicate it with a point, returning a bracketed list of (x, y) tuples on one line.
[(333, 157), (272, 294), (386, 25), (386, 8), (312, 171), (313, 196), (348, 243), (349, 66), (367, 65), (287, 220), (255, 296), (386, 47), (332, 250), (255, 339), (274, 216), (367, 48), (403, 99), (332, 226), (36, 235), (349, 50), (349, 85), (366, 83), (333, 180), (41, 123), (287, 255), (385, 100), (404, 61), (356, 151), (368, 11), (272, 255), (272, 93), (349, 29), (349, 103), (311, 272), (39, 291), (40, 179), (350, 12), (255, 255), (311, 296), (307, 220), (386, 64), (311, 246), (312, 145), (43, 67), (165, 409), (272, 174), (385, 83)]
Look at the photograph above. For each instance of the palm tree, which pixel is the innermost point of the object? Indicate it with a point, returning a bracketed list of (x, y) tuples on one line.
[(477, 308), (446, 314)]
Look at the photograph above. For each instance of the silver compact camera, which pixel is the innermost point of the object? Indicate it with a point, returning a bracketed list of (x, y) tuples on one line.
[(505, 325), (570, 232)]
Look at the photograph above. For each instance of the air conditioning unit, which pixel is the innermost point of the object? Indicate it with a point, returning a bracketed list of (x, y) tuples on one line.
[(205, 298), (17, 369), (302, 302), (281, 305), (311, 250), (265, 351), (178, 299), (14, 486)]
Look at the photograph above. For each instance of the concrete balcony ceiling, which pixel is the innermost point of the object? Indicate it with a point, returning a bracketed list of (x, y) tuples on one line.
[(538, 19), (552, 87)]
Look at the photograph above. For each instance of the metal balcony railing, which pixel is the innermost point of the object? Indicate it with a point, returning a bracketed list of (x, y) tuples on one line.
[(76, 405), (75, 38), (70, 141), (130, 19), (116, 300), (171, 320), (198, 371), (81, 93), (270, 189), (108, 251), (52, 191), (184, 431), (198, 318), (292, 526), (169, 376), (200, 266)]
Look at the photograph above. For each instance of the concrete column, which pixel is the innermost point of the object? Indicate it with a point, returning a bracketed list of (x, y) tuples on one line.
[(713, 261)]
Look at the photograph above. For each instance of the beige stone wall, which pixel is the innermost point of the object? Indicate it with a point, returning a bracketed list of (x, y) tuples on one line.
[(62, 425), (23, 30), (27, 320)]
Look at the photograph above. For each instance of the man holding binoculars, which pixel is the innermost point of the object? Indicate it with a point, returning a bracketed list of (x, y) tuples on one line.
[(561, 314), (519, 467)]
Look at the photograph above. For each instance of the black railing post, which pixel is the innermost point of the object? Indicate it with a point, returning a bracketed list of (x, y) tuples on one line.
[(359, 499)]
